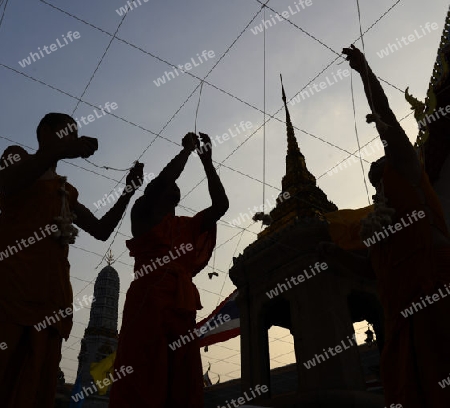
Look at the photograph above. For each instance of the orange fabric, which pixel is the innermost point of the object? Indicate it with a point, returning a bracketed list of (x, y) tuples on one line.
[(345, 225), (160, 307), (408, 267), (29, 366), (34, 282)]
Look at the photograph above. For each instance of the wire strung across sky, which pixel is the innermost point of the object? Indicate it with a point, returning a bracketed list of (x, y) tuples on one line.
[(103, 56), (179, 109), (216, 63)]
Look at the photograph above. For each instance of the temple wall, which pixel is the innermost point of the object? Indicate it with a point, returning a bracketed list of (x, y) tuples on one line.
[(442, 188)]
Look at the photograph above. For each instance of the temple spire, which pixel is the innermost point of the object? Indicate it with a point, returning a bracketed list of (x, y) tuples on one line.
[(296, 170), (300, 198), (293, 151)]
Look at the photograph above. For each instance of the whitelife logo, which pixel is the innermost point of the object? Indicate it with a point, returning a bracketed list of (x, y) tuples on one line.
[(49, 320), (104, 383), (9, 160), (415, 307), (286, 14), (259, 389), (337, 349), (72, 127), (130, 5), (316, 88), (435, 116), (281, 287), (184, 67), (165, 260), (445, 382), (116, 193), (200, 332), (53, 47), (245, 216), (391, 48), (379, 235), (12, 249), (219, 139)]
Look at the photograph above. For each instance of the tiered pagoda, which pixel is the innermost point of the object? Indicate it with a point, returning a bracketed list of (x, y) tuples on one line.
[(319, 310), (305, 198), (101, 336)]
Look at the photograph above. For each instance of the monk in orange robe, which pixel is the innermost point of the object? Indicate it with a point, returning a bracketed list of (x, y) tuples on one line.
[(409, 250), (157, 338), (34, 270)]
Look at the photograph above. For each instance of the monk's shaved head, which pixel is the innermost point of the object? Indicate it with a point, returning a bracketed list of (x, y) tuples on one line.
[(53, 120), (162, 195)]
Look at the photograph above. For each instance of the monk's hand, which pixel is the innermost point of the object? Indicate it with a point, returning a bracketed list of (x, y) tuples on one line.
[(83, 146), (135, 177), (205, 150), (190, 142), (356, 58)]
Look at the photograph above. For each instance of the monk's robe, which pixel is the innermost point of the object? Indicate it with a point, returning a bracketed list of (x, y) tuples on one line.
[(34, 284), (416, 354), (160, 307), (344, 227)]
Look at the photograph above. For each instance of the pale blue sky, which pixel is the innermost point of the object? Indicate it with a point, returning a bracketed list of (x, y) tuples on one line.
[(175, 32)]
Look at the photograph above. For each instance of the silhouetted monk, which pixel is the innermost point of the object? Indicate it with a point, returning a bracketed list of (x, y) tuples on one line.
[(37, 209), (162, 301), (410, 254)]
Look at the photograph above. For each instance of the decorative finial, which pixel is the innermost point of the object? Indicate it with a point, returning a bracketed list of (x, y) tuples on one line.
[(282, 90), (109, 258)]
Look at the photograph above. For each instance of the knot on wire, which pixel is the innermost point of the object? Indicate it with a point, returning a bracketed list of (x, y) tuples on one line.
[(265, 218)]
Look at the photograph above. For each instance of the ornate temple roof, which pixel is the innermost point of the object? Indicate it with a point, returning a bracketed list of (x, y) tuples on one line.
[(305, 198), (433, 138)]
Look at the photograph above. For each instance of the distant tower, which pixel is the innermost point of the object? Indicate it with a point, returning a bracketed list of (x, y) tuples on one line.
[(101, 336)]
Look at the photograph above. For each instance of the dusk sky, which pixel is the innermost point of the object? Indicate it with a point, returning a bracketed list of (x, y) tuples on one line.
[(156, 106)]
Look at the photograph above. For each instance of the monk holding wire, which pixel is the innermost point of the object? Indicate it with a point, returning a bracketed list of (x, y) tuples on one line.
[(162, 301), (38, 210), (409, 249)]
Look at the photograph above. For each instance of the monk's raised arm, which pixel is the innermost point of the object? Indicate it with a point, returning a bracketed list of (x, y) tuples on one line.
[(220, 203), (399, 150), (376, 97), (102, 228), (168, 175), (172, 171)]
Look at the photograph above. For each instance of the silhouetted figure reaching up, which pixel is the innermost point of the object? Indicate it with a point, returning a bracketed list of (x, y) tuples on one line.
[(38, 210), (158, 338), (409, 248)]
